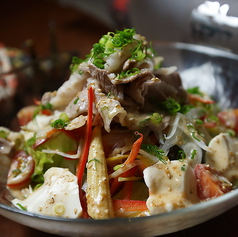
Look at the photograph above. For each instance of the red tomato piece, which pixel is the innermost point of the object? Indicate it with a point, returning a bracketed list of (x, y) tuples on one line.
[(129, 205), (229, 118), (21, 169), (210, 183)]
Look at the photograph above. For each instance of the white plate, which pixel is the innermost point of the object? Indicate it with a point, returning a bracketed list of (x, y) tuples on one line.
[(214, 70)]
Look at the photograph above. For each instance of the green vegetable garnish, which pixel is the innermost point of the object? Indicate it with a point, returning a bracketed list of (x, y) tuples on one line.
[(62, 122), (185, 108), (42, 107), (193, 132), (3, 134), (128, 73), (156, 118), (194, 152), (199, 121), (31, 141), (76, 100), (111, 95), (74, 65), (181, 155), (183, 167), (95, 162), (112, 42), (154, 150), (143, 122), (22, 207), (169, 106), (195, 90)]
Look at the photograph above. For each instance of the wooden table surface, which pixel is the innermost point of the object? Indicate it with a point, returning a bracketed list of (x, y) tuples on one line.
[(75, 30)]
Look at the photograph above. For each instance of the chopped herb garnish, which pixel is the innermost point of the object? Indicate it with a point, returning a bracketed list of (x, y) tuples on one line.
[(42, 108), (143, 122), (112, 42), (181, 155), (111, 95), (31, 141), (22, 207), (62, 122), (199, 121), (16, 172), (156, 118), (3, 134), (157, 66), (128, 73), (195, 90), (154, 150), (74, 65), (185, 108), (76, 100), (231, 132), (183, 167), (193, 153), (59, 123), (193, 132), (169, 106), (96, 161), (138, 53)]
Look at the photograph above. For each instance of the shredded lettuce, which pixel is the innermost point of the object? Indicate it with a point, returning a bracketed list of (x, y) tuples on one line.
[(44, 161)]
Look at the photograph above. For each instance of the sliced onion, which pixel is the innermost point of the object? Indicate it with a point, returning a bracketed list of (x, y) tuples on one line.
[(152, 158), (174, 127), (124, 168), (188, 148), (201, 144)]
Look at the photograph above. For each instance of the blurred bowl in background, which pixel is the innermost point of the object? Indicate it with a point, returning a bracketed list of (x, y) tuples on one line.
[(24, 78)]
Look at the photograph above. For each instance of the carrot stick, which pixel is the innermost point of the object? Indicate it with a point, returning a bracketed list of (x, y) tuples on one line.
[(133, 154), (88, 135), (135, 149), (128, 185)]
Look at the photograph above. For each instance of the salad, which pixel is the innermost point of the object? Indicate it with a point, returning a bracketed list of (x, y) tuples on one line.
[(120, 138)]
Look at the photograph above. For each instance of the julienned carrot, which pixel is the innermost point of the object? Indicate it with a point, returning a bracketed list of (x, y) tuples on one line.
[(132, 156), (129, 205), (128, 185), (135, 149), (88, 135)]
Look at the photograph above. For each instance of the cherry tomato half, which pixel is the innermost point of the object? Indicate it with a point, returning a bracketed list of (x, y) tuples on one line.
[(229, 118), (210, 183), (21, 169)]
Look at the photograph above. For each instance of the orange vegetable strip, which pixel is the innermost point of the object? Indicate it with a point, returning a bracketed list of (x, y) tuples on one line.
[(133, 154), (135, 149), (88, 135), (129, 205), (198, 98), (128, 185)]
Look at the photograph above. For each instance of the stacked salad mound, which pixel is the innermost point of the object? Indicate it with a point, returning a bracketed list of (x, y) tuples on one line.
[(120, 138)]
